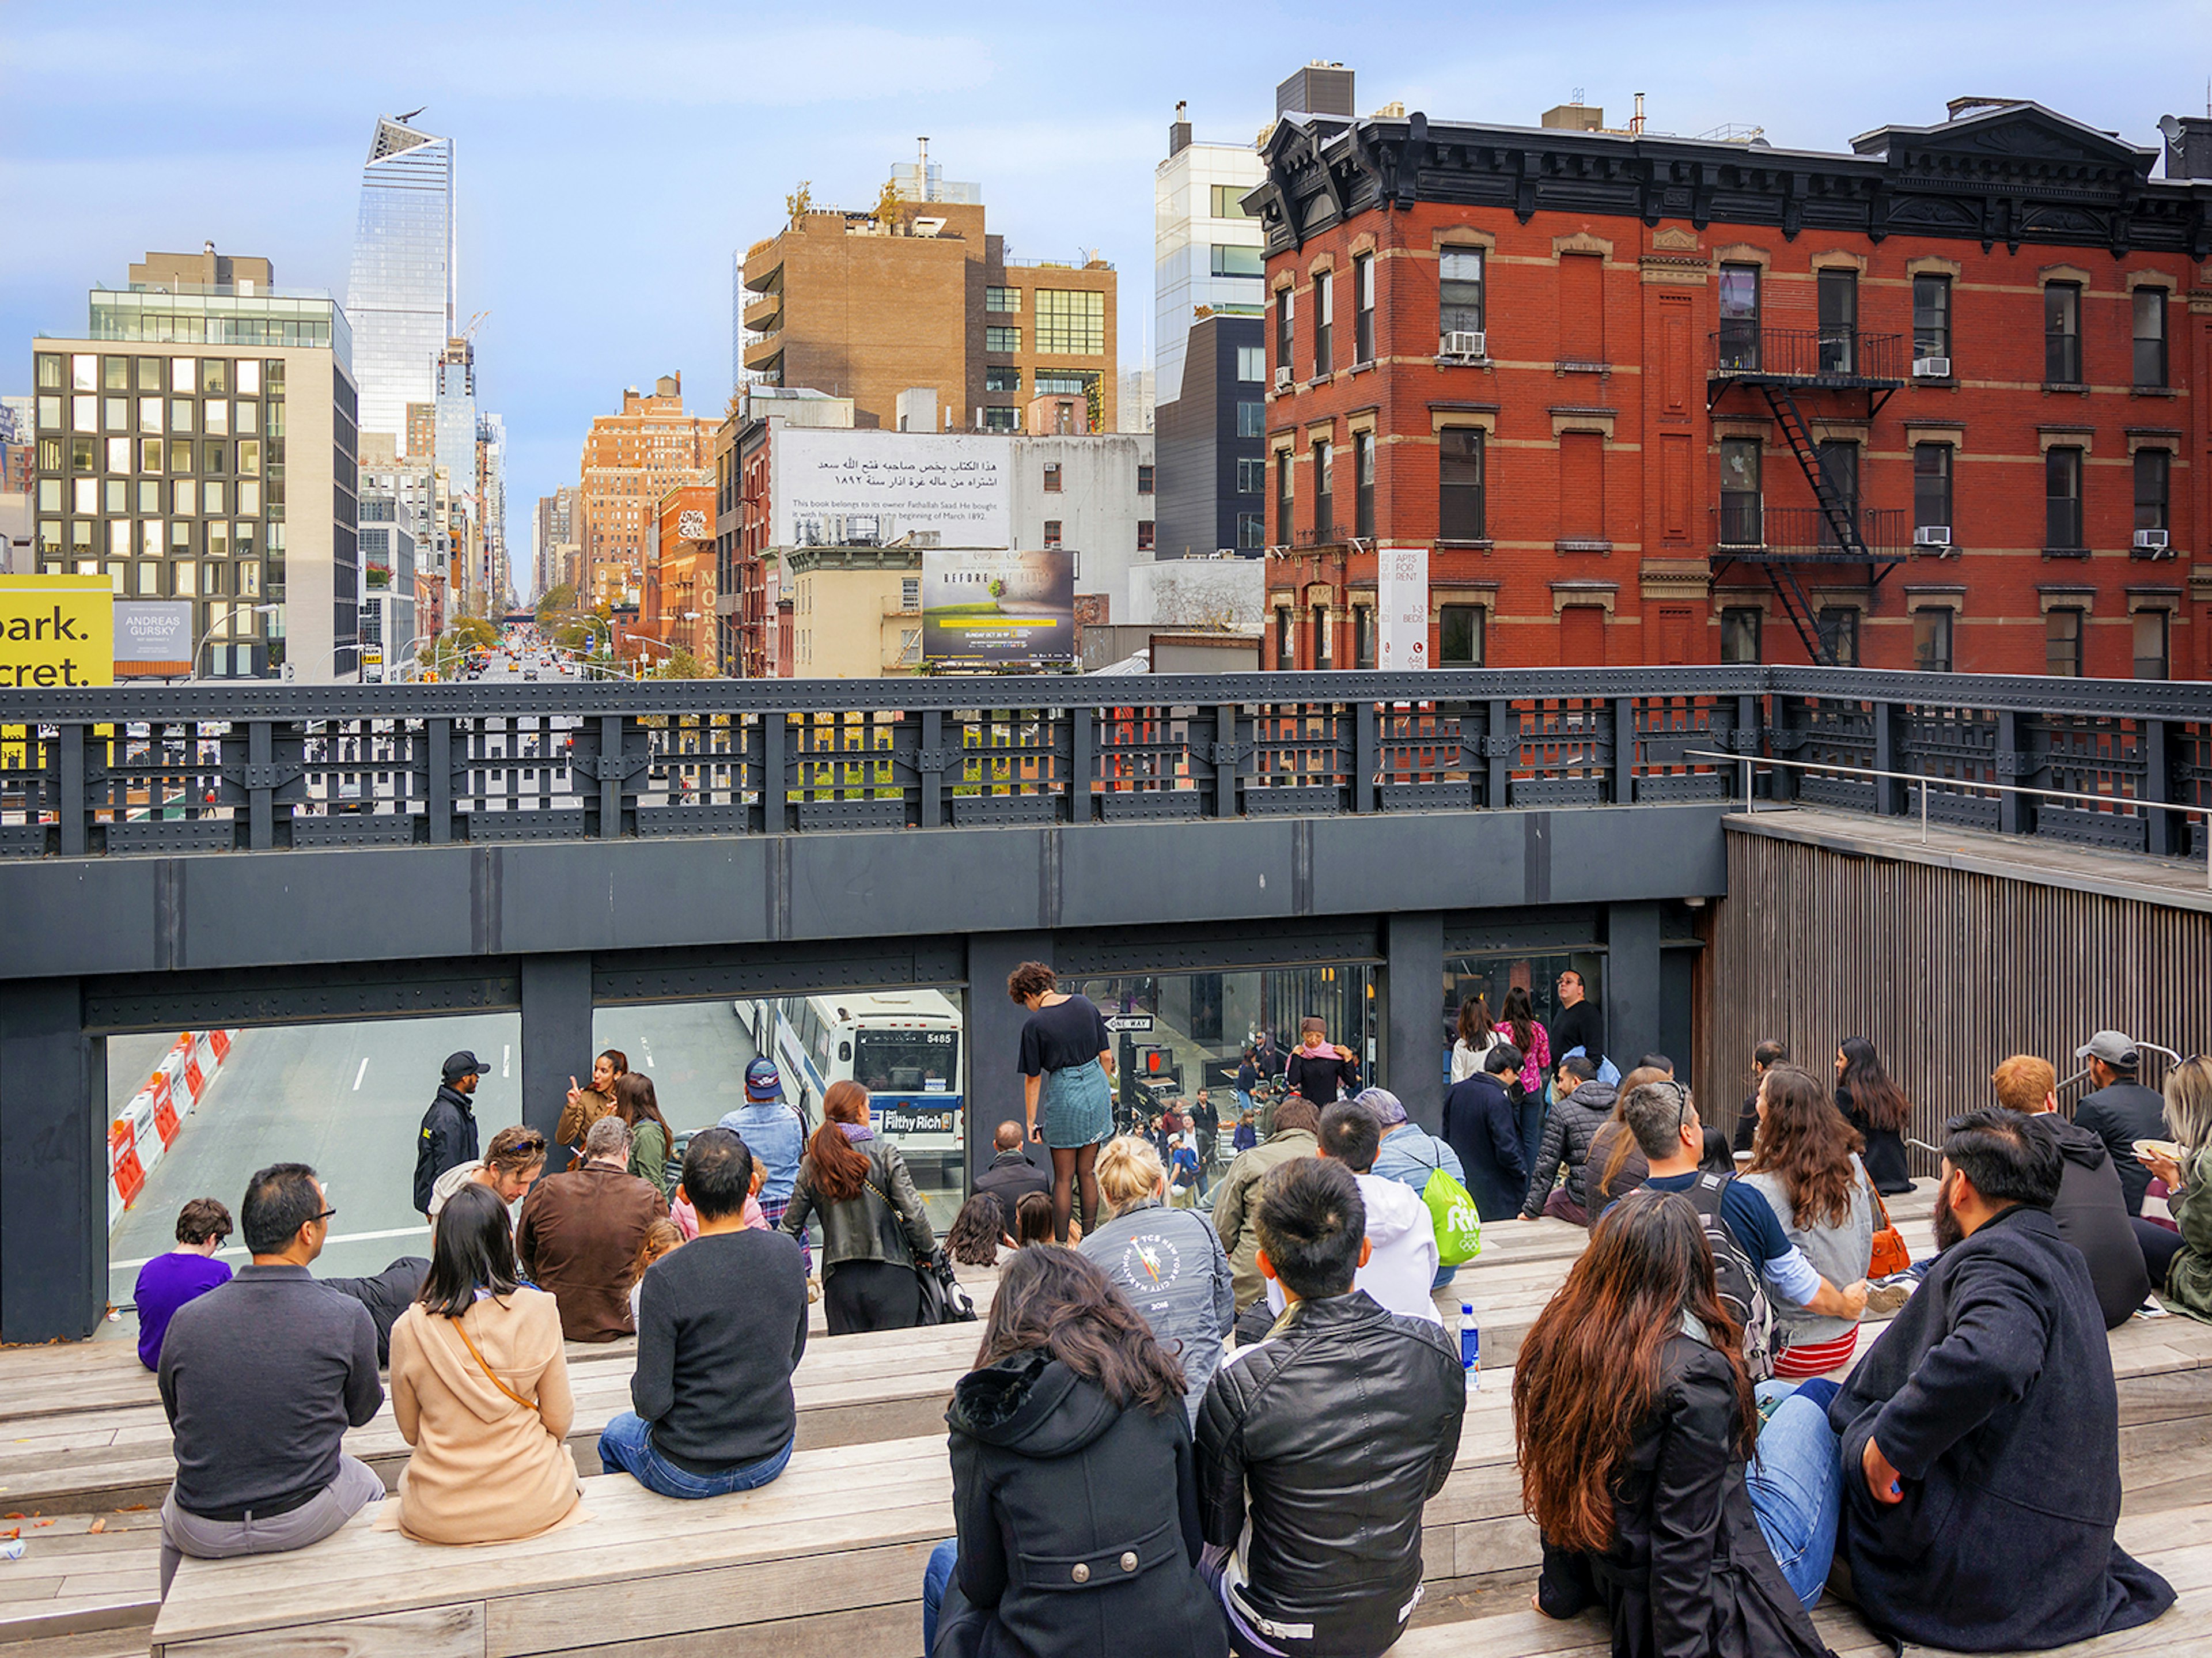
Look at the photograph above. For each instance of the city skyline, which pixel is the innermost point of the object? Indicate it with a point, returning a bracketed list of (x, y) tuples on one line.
[(612, 176)]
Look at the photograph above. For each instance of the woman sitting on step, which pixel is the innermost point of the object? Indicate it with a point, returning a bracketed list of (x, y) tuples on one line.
[(1634, 1417), (1074, 1487), (480, 1389)]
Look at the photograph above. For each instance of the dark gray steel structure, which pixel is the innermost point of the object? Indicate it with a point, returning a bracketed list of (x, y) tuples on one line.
[(266, 853)]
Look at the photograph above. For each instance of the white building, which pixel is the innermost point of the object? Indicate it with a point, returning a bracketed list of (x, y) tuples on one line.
[(1205, 252), (1092, 494), (399, 297)]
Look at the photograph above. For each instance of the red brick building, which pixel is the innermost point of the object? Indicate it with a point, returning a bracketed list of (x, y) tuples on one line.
[(1938, 402), (680, 580)]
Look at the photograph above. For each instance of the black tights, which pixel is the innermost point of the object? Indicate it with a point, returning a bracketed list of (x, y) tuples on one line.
[(1074, 1166)]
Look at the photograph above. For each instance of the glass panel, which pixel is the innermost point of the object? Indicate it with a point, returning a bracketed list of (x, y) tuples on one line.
[(216, 416), (2062, 644), (2061, 334), (1460, 635), (249, 457), (1230, 261), (84, 373), (183, 495), (2149, 307), (1931, 485), (2062, 485), (1931, 641), (149, 373), (149, 579), (1460, 484), (1839, 321), (84, 414), (1931, 316), (249, 378), (117, 494), (1739, 316), (84, 494), (149, 495), (184, 374), (118, 454), (180, 414), (1459, 289), (119, 537), (188, 578), (2152, 475), (2150, 632), (149, 541), (117, 410), (215, 375)]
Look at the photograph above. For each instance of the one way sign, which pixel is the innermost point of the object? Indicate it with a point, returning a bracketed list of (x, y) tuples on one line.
[(1128, 1022)]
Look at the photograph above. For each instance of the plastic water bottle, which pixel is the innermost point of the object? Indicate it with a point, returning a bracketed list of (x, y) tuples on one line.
[(1470, 1346), (11, 1550)]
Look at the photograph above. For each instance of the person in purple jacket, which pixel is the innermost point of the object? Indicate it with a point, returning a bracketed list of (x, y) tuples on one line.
[(187, 1272)]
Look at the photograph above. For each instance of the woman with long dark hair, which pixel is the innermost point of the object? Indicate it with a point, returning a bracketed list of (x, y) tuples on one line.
[(874, 1228), (637, 1104), (1804, 1161), (977, 1236), (1520, 1026), (1067, 1064), (1635, 1418), (1877, 1108), (1476, 1037), (480, 1389), (1070, 1443)]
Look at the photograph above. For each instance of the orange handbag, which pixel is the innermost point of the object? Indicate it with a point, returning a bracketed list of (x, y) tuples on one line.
[(1890, 1254)]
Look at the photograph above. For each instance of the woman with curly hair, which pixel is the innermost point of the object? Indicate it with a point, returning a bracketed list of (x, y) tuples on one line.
[(1068, 1068), (1069, 1442), (1805, 1162), (1635, 1418)]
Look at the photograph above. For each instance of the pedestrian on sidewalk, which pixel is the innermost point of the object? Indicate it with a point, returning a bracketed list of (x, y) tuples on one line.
[(1067, 1060), (1206, 1120), (448, 1137)]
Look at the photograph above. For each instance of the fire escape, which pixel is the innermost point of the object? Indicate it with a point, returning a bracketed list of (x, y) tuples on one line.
[(1782, 366)]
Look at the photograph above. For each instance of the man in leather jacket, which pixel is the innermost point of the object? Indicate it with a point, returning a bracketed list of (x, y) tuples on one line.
[(1328, 1437)]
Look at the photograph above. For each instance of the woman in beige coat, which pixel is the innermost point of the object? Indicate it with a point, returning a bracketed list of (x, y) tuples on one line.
[(480, 1389)]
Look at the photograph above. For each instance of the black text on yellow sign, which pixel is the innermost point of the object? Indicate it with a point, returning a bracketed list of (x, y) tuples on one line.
[(57, 631)]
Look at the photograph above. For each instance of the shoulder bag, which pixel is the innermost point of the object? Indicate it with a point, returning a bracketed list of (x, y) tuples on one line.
[(944, 1300), (1890, 1254), (530, 1405)]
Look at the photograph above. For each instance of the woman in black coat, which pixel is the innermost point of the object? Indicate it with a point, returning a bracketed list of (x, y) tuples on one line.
[(1073, 1486), (1877, 1108), (1635, 1417)]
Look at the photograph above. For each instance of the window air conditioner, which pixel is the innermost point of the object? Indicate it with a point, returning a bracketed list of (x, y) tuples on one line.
[(1931, 368), (2152, 541), (1932, 535), (1282, 379), (1466, 343)]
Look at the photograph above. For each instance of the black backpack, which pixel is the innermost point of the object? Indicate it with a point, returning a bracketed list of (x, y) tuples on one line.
[(1735, 1278)]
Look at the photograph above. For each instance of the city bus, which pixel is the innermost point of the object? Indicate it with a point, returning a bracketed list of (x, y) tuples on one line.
[(903, 1045)]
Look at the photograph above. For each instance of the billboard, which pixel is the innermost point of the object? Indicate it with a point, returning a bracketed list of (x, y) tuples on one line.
[(989, 608), (841, 488), (153, 638), (57, 630), (1402, 582)]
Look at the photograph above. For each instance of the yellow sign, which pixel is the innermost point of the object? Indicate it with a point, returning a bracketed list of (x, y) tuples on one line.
[(57, 631)]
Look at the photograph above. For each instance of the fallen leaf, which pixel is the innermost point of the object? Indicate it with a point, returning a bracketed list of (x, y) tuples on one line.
[(45, 1522), (96, 1526), (12, 1531), (10, 1517)]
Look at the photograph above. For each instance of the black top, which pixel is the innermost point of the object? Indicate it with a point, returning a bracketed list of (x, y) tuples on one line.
[(261, 1376), (1062, 1036), (447, 1140), (1992, 1393), (2120, 1115), (1078, 1520), (1688, 1569), (1480, 1126), (1011, 1177), (1580, 1026), (1320, 1077), (2092, 1213), (722, 1324), (1884, 1155)]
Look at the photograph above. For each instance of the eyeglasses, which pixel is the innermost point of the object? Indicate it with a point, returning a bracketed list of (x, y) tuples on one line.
[(326, 1214), (1681, 1101)]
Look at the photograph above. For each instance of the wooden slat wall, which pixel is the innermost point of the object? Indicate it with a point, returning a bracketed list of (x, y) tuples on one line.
[(1944, 971)]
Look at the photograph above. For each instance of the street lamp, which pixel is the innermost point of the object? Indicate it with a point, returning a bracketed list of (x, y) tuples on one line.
[(256, 609)]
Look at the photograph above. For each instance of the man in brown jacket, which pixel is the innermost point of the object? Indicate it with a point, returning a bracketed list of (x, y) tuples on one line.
[(580, 1234), (1294, 1135), (586, 1106)]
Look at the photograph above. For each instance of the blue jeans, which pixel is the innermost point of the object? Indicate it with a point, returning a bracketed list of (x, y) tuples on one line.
[(626, 1447), (1796, 1482), (934, 1576)]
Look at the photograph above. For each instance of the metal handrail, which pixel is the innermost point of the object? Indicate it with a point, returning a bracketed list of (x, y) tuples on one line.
[(1751, 807)]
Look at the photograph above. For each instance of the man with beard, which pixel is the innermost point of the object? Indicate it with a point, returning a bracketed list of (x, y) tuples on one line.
[(1979, 1436)]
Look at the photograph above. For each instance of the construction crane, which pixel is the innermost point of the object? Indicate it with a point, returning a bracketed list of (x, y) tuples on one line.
[(475, 323)]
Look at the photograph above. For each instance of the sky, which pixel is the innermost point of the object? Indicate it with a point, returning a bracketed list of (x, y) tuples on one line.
[(611, 159)]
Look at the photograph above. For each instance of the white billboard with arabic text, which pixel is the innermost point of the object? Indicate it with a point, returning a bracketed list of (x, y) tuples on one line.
[(838, 488)]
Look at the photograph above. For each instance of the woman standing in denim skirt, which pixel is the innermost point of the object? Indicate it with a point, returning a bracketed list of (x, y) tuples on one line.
[(1067, 1064)]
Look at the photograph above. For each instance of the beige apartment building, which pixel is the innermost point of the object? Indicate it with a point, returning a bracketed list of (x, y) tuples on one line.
[(855, 611), (919, 297), (630, 461)]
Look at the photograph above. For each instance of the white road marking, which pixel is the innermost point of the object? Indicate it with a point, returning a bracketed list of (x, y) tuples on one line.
[(347, 1237), (359, 1074), (641, 1042), (506, 1054)]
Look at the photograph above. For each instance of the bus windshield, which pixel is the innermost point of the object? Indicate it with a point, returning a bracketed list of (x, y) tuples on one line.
[(907, 1061)]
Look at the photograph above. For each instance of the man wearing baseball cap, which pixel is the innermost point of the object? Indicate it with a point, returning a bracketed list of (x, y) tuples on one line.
[(449, 1127), (773, 1133), (2122, 1111)]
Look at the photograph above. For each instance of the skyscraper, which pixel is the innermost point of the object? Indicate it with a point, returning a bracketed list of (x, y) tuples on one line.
[(400, 298)]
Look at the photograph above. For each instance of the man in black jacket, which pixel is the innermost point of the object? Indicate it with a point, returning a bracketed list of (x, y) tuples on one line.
[(2091, 1208), (1480, 1126), (2122, 1111), (1579, 1024), (1329, 1436), (449, 1127), (1980, 1433), (1011, 1176)]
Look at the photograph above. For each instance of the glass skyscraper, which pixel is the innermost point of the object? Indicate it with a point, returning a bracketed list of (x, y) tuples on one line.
[(400, 299)]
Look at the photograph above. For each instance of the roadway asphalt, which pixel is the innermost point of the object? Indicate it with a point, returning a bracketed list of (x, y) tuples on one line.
[(347, 1098)]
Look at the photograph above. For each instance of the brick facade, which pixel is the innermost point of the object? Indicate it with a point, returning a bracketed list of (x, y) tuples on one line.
[(630, 460), (1600, 405)]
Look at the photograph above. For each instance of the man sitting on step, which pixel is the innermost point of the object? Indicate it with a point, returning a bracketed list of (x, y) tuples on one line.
[(261, 1377), (1318, 1446)]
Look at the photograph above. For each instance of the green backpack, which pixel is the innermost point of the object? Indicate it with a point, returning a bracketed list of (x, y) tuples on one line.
[(1452, 1212)]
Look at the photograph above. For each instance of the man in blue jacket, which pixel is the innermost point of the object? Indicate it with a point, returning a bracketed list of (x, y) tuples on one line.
[(775, 1134)]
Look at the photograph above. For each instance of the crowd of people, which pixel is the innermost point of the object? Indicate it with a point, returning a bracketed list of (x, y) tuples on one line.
[(1214, 1432)]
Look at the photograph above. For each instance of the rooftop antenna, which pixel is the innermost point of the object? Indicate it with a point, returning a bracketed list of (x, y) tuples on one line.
[(925, 195), (1578, 96)]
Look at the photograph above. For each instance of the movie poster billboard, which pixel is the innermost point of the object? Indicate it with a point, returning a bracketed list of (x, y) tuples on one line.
[(989, 608), (844, 489)]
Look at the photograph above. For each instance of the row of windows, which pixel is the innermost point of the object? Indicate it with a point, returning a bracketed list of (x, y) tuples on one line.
[(1461, 636), (1463, 305), (185, 497), (77, 456), (1055, 530), (1741, 629), (1742, 508), (1052, 477), (156, 539), (1071, 322), (89, 372)]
